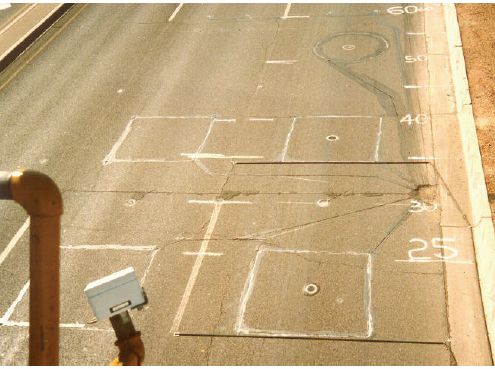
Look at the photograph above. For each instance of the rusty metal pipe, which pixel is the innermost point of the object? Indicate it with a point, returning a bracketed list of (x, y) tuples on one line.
[(41, 198)]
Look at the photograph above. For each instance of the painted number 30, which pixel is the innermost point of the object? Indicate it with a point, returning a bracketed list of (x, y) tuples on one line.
[(448, 253)]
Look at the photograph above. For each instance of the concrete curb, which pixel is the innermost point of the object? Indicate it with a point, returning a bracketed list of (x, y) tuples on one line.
[(18, 35), (482, 229)]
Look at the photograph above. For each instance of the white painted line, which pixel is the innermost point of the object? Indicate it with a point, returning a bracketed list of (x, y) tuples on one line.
[(287, 140), (225, 120), (153, 254), (172, 116), (241, 328), (416, 86), (261, 119), (61, 325), (219, 156), (14, 241), (339, 116), (280, 61), (378, 139), (415, 33), (111, 155), (202, 253), (171, 18), (12, 307), (109, 247), (436, 261), (16, 19), (146, 160), (287, 10), (196, 267), (219, 202)]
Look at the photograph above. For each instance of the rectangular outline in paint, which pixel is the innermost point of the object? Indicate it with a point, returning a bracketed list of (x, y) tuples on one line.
[(241, 328), (111, 158), (195, 157), (5, 319)]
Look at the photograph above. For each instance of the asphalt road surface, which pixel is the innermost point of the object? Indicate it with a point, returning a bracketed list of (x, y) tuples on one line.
[(269, 171)]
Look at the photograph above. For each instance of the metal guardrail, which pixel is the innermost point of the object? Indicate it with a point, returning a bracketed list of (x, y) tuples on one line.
[(41, 198)]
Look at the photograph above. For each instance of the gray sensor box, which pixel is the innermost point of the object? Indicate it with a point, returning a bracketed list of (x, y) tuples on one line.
[(115, 293)]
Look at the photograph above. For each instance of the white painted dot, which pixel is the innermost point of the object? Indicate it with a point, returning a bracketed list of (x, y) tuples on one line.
[(43, 161), (340, 300), (130, 202), (311, 289), (120, 90), (323, 203), (349, 47)]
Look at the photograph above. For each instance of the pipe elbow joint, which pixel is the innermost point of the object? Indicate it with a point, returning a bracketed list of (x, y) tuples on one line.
[(36, 193)]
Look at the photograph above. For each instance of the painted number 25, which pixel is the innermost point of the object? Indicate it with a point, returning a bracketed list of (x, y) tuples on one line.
[(438, 243)]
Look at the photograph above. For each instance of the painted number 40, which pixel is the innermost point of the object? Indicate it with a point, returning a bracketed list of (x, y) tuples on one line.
[(410, 119)]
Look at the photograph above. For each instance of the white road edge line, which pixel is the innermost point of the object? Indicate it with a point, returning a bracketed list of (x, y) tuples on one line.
[(196, 267), (176, 11), (14, 240)]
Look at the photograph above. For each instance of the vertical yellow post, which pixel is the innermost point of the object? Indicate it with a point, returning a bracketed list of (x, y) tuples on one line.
[(42, 200)]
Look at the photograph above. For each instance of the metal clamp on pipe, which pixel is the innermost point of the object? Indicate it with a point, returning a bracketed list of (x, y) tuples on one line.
[(41, 198)]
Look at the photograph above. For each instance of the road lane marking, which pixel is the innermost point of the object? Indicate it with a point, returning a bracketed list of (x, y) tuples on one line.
[(69, 21), (5, 318), (280, 61), (203, 253), (196, 267), (177, 9), (378, 139), (287, 140), (14, 240), (17, 19)]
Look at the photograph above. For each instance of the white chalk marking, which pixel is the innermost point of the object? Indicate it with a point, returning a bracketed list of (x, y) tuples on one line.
[(436, 261), (61, 325), (424, 86), (280, 61), (120, 90), (203, 254), (196, 267), (14, 240), (110, 247), (287, 10), (338, 116), (415, 33), (173, 117), (12, 307), (146, 160), (349, 47), (224, 120), (287, 140), (378, 139), (219, 202), (295, 16), (113, 152), (153, 254), (219, 156), (262, 119), (177, 9), (241, 328)]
